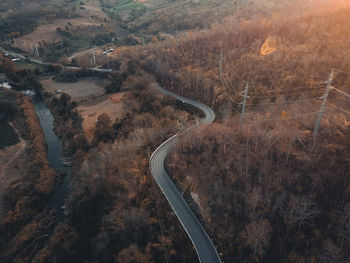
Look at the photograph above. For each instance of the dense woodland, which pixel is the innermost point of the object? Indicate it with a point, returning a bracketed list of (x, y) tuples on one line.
[(264, 186), (26, 215), (115, 209), (274, 192), (110, 197)]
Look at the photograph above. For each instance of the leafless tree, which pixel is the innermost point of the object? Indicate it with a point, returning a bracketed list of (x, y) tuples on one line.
[(257, 236)]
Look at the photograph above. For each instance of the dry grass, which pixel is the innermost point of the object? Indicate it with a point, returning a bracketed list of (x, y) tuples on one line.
[(12, 167), (47, 31), (111, 105), (85, 89)]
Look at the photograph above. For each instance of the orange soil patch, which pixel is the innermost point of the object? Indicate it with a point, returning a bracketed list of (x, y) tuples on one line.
[(269, 46), (112, 106), (116, 98)]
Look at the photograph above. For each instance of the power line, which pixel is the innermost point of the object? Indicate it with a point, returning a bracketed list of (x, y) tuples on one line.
[(272, 91), (338, 108), (342, 92), (334, 116), (290, 118), (228, 94), (281, 103), (340, 71), (230, 85), (273, 96)]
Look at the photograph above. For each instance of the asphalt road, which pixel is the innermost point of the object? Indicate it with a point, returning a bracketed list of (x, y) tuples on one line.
[(205, 248), (36, 61)]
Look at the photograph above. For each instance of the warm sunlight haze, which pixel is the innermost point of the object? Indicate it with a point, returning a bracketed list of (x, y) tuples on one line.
[(176, 131)]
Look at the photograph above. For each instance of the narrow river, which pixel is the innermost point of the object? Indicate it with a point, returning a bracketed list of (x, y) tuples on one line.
[(55, 154)]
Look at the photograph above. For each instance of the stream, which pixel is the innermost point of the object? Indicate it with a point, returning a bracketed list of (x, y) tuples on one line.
[(55, 155)]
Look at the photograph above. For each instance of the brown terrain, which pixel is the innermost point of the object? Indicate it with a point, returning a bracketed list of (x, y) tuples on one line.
[(90, 18), (83, 90), (111, 105), (13, 166), (268, 191)]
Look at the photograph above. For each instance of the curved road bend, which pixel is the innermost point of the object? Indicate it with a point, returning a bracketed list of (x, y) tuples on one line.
[(205, 248)]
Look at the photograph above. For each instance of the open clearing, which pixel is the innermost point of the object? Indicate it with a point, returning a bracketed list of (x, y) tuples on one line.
[(92, 101), (111, 105), (84, 89)]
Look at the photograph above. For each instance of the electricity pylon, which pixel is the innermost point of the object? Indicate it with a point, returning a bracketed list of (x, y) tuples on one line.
[(244, 103), (324, 102)]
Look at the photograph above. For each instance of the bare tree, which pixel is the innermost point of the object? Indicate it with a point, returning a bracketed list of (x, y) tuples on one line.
[(257, 236), (331, 253)]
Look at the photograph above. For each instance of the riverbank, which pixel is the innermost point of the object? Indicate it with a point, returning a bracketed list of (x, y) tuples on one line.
[(33, 165), (55, 153), (27, 214)]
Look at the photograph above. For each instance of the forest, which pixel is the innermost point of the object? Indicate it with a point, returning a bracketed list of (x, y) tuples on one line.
[(268, 180), (275, 190)]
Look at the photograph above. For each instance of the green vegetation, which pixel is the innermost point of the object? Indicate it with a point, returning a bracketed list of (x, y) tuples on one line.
[(71, 76), (15, 26)]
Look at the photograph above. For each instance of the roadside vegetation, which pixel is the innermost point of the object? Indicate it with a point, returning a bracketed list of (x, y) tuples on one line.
[(264, 186), (274, 192), (30, 182)]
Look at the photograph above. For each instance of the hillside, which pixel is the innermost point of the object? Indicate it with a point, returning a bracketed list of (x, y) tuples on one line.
[(60, 28), (268, 179), (56, 28)]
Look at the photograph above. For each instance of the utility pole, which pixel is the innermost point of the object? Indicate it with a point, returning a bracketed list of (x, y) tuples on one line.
[(25, 45), (143, 42), (7, 42), (37, 51), (93, 55), (177, 39), (31, 48), (220, 64), (245, 93), (324, 97)]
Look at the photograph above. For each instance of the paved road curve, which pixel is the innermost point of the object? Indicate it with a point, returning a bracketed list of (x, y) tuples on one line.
[(205, 248)]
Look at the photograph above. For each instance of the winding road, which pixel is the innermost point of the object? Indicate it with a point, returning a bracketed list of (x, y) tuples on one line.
[(205, 248)]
